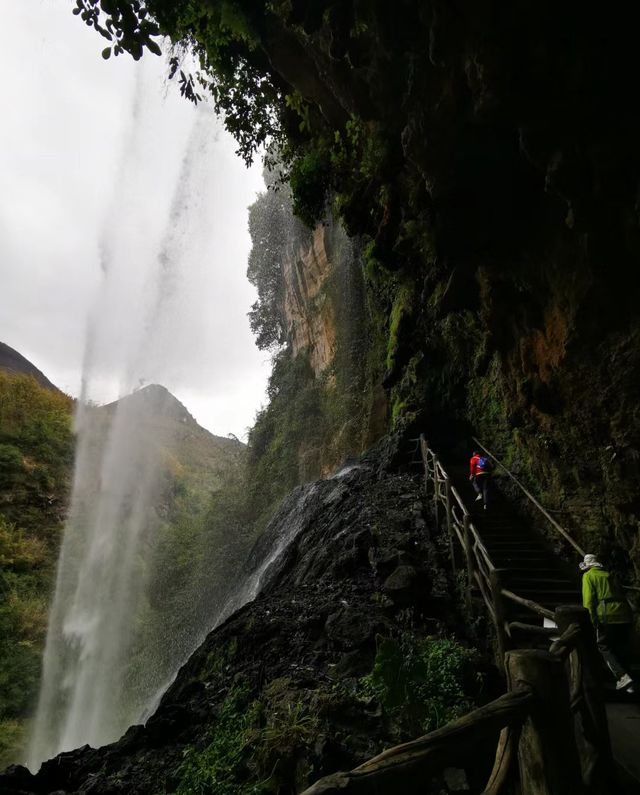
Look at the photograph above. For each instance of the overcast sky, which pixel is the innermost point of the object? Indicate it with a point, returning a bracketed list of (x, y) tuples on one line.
[(123, 211)]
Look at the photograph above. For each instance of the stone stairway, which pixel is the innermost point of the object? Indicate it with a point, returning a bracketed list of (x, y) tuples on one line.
[(527, 564)]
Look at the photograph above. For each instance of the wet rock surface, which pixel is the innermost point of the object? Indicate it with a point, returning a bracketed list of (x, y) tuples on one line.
[(362, 552)]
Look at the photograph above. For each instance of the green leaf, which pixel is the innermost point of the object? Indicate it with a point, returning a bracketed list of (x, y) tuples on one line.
[(153, 47), (106, 53)]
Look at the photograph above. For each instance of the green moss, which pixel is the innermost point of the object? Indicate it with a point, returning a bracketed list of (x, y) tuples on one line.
[(284, 741), (220, 657), (401, 313), (254, 747)]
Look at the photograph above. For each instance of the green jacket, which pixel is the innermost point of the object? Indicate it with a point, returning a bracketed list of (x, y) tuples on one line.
[(603, 598)]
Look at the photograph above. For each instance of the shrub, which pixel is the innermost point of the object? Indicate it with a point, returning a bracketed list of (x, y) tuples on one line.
[(310, 182), (425, 682), (220, 768)]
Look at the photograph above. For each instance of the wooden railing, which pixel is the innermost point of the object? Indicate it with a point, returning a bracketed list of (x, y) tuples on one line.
[(481, 571), (549, 694), (552, 720)]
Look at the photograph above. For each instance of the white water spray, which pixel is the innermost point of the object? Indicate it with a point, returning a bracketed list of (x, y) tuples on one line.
[(103, 567)]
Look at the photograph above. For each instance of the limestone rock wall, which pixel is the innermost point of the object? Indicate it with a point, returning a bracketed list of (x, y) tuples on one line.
[(309, 312)]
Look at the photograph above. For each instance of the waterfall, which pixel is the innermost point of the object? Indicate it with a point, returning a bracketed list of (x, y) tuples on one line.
[(103, 566)]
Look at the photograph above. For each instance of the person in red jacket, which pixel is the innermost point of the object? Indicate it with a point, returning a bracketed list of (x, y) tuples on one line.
[(479, 475)]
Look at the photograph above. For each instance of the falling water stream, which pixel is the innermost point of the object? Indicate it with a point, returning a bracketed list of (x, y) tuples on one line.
[(102, 570)]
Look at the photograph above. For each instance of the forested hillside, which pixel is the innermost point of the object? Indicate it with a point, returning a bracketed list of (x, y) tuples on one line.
[(36, 456)]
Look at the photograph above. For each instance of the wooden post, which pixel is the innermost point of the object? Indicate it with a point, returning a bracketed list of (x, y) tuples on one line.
[(466, 521), (424, 449), (594, 743), (436, 489), (547, 754), (495, 577), (450, 526), (468, 553)]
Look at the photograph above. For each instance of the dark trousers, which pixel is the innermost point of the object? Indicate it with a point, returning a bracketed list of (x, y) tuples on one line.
[(614, 644), (481, 485)]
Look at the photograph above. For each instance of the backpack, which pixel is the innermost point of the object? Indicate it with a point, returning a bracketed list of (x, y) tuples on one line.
[(483, 464)]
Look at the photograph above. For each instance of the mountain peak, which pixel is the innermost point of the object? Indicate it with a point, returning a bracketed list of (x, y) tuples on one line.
[(13, 362), (158, 401)]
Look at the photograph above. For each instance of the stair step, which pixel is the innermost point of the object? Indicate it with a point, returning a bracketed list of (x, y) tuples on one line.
[(511, 540), (524, 561), (521, 558)]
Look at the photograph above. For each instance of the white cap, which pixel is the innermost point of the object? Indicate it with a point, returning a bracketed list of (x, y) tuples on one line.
[(590, 562)]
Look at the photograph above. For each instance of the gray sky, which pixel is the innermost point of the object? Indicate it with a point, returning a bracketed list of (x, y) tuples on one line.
[(103, 162)]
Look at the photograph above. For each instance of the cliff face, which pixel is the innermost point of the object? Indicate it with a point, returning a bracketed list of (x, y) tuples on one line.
[(309, 312), (326, 399), (489, 158)]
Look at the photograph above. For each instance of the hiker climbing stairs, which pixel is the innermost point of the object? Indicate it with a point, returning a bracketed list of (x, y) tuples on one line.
[(527, 564)]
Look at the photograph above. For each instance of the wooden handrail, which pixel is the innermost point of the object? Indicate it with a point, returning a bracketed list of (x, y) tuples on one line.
[(414, 761), (465, 510), (542, 510), (528, 603)]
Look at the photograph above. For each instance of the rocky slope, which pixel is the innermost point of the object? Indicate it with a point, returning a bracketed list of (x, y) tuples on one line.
[(278, 695)]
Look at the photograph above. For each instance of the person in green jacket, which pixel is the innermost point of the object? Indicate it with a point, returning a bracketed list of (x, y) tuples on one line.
[(611, 617)]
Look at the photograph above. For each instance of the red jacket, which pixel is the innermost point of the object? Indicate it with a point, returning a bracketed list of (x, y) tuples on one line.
[(473, 466)]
